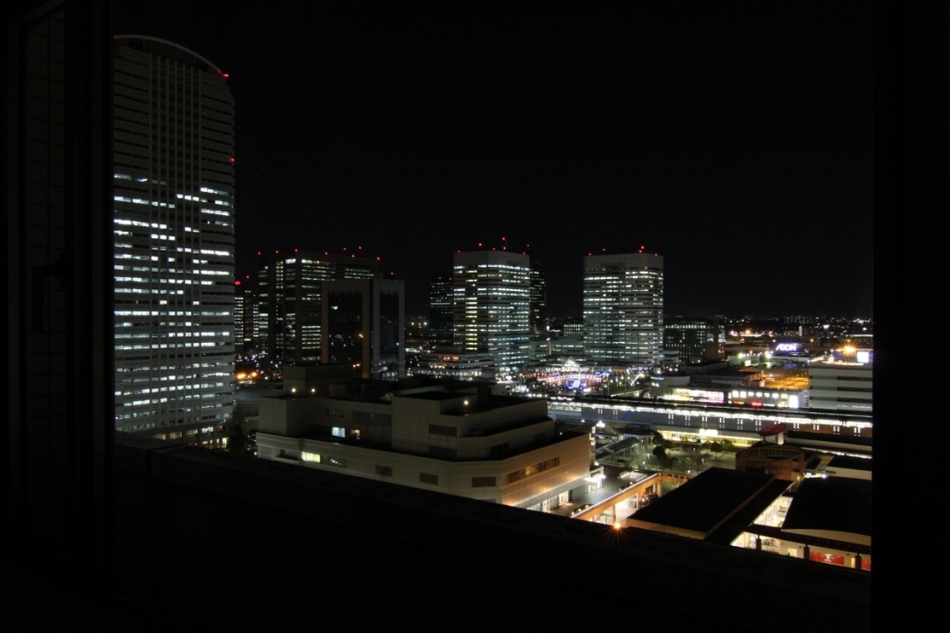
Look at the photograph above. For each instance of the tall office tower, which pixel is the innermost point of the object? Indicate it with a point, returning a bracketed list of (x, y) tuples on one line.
[(174, 239), (289, 298), (440, 311), (244, 309), (364, 326), (491, 295), (539, 298), (623, 309)]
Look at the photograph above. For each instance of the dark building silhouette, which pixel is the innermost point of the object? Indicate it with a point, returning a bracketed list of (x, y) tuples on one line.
[(364, 326), (56, 447), (691, 340), (440, 311), (538, 298), (290, 294)]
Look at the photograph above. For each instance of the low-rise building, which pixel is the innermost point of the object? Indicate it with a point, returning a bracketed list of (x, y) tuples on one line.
[(453, 363), (784, 461), (466, 441), (842, 385)]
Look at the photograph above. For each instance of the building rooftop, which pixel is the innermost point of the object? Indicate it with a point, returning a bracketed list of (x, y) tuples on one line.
[(438, 396), (839, 364), (745, 516), (713, 499), (320, 436), (835, 504), (808, 438), (849, 462), (473, 402)]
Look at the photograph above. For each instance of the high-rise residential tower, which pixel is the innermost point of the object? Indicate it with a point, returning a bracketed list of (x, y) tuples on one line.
[(289, 298), (491, 294), (174, 239), (623, 309)]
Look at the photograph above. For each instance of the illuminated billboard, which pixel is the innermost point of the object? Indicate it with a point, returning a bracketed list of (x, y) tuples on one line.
[(788, 348)]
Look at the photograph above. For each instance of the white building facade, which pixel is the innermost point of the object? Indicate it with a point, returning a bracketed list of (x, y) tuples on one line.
[(623, 309), (841, 385), (502, 449), (174, 239)]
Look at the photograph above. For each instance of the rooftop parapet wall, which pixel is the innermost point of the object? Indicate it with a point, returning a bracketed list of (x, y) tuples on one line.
[(281, 522)]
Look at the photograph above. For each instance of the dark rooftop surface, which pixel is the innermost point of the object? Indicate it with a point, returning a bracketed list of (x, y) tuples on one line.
[(708, 499), (433, 395), (254, 392), (726, 533), (478, 403), (726, 372), (803, 437), (846, 461), (839, 504)]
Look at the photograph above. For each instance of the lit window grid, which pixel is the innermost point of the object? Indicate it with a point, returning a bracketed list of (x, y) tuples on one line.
[(186, 239), (623, 313)]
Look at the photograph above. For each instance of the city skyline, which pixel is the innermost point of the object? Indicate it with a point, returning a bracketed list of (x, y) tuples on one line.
[(79, 567), (736, 144)]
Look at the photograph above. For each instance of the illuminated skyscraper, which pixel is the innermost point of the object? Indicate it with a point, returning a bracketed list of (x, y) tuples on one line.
[(174, 239), (245, 317), (491, 294), (623, 309)]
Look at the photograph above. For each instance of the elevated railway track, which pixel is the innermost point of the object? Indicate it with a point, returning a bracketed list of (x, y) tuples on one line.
[(820, 430)]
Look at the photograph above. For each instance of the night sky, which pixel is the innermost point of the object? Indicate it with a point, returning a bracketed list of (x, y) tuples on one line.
[(734, 139)]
